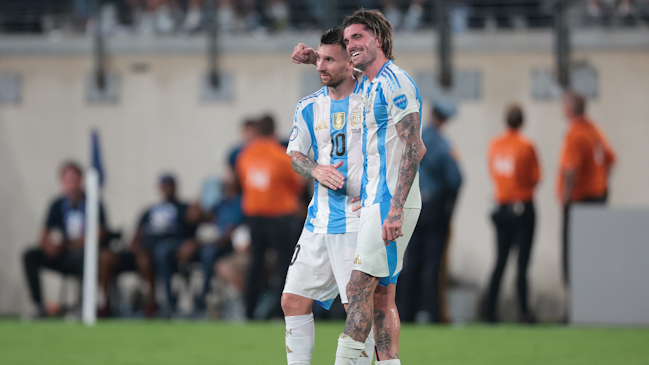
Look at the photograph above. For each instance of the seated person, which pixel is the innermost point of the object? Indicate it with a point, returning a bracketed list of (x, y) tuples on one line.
[(226, 216), (67, 216), (161, 231)]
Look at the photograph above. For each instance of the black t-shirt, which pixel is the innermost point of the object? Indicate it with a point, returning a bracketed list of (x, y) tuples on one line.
[(166, 220), (70, 219)]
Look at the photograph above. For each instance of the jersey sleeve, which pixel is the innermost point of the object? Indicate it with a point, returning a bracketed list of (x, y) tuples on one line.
[(300, 137), (403, 100)]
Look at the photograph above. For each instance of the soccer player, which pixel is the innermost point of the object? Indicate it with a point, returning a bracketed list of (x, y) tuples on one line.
[(390, 197), (329, 122)]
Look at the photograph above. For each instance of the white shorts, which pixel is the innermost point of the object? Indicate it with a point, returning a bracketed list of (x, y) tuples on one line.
[(321, 266), (373, 257)]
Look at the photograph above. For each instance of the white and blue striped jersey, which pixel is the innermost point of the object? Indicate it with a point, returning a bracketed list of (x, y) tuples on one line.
[(387, 99), (332, 129)]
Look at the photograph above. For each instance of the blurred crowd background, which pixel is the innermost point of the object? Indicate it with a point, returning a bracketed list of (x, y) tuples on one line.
[(166, 17), (177, 237)]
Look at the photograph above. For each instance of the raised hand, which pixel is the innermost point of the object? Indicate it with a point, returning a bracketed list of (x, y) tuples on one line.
[(303, 54)]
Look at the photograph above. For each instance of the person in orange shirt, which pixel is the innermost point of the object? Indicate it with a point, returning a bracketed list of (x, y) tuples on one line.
[(515, 171), (270, 191), (584, 166)]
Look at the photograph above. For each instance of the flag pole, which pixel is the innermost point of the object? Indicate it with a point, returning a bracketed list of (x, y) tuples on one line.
[(89, 306)]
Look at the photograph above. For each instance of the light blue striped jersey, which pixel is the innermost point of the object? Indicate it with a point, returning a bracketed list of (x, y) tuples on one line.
[(332, 129), (387, 99)]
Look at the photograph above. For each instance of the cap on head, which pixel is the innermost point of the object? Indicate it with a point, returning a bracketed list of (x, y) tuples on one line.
[(167, 178), (444, 109)]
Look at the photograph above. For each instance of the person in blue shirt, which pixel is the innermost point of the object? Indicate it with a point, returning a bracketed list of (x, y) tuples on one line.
[(67, 216), (439, 181), (162, 230), (226, 216)]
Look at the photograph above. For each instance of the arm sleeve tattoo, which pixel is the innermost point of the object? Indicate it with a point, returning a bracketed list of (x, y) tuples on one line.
[(302, 165), (413, 152)]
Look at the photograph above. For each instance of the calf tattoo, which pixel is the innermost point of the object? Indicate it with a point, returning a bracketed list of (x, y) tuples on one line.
[(359, 314), (382, 338)]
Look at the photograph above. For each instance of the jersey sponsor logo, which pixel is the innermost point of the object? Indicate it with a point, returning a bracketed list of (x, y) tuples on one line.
[(293, 135), (338, 120), (401, 102), (321, 125)]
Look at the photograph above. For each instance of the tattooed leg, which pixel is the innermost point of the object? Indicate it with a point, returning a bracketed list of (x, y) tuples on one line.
[(361, 306), (387, 325)]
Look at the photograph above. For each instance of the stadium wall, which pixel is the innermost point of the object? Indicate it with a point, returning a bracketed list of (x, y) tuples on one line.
[(160, 124)]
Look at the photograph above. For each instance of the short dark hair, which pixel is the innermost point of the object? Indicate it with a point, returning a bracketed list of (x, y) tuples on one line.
[(377, 23), (514, 116), (577, 102), (333, 36), (266, 125), (70, 165)]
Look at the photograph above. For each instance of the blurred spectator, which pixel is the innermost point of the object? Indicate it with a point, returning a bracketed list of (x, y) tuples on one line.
[(249, 132), (623, 7), (270, 198), (439, 180), (226, 216), (584, 166), (515, 172), (66, 218), (163, 231)]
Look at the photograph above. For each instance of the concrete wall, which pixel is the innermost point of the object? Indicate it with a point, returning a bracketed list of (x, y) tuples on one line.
[(160, 124)]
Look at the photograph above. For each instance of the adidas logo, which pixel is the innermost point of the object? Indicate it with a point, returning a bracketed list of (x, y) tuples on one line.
[(288, 351), (364, 354), (321, 125), (357, 260)]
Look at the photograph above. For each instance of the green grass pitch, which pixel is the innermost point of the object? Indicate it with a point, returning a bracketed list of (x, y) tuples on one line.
[(161, 343)]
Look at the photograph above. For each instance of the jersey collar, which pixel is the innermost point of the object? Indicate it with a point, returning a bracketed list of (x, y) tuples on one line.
[(376, 79)]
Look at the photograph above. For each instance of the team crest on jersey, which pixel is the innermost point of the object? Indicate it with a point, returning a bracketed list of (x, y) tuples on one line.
[(338, 120), (356, 119), (293, 135), (401, 102)]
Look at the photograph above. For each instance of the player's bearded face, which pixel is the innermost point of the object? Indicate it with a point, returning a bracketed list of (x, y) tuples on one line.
[(362, 45), (333, 65)]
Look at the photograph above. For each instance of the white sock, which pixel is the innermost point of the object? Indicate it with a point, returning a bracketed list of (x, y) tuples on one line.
[(348, 351), (367, 355), (300, 337), (388, 362)]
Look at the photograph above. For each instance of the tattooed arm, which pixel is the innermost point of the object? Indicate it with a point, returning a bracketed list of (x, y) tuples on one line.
[(327, 175), (413, 152)]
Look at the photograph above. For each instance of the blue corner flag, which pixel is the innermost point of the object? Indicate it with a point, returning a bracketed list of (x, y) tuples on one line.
[(96, 157)]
